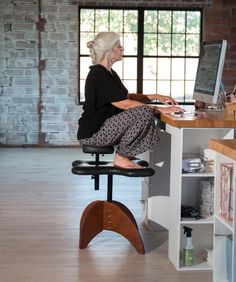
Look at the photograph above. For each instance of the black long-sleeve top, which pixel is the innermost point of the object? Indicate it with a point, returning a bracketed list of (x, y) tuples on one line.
[(101, 89)]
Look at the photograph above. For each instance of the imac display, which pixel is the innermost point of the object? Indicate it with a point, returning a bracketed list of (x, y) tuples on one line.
[(209, 72)]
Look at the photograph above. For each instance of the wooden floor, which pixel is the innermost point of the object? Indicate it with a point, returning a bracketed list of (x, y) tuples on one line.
[(41, 202)]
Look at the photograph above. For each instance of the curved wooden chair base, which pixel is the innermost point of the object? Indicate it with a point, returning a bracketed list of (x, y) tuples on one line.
[(113, 216)]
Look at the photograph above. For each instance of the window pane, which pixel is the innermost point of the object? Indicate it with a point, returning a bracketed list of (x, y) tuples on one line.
[(82, 85), (150, 21), (177, 90), (178, 22), (118, 66), (164, 44), (189, 86), (101, 20), (149, 87), (130, 68), (84, 38), (164, 24), (149, 68), (164, 68), (130, 44), (131, 85), (116, 20), (178, 69), (86, 19), (191, 69), (130, 21), (193, 22), (192, 45), (178, 45), (163, 87), (150, 44), (85, 62)]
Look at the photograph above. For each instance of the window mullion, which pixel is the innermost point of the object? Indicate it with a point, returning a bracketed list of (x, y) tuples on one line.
[(140, 51)]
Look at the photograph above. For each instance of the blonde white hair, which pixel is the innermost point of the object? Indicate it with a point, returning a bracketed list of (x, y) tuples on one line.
[(102, 44)]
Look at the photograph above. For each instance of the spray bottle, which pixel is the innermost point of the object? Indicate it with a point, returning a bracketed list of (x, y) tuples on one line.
[(188, 250)]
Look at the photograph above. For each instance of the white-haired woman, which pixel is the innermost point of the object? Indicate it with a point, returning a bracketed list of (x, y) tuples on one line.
[(111, 115)]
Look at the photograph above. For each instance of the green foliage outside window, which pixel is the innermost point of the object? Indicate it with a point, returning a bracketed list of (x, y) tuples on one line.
[(178, 33)]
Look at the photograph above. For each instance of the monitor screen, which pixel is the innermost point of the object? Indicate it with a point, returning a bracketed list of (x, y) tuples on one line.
[(209, 72)]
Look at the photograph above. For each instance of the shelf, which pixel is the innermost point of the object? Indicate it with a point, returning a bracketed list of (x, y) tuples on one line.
[(201, 266), (198, 174), (227, 224), (208, 220), (198, 265)]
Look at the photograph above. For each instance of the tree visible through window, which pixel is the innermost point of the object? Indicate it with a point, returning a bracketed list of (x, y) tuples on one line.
[(161, 48)]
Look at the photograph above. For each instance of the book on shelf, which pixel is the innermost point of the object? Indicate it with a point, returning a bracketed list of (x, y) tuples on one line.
[(226, 191)]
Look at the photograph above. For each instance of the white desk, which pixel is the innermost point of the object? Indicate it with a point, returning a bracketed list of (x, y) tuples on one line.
[(164, 193)]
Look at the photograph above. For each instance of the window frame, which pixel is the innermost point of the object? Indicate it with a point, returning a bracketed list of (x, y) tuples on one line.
[(140, 40)]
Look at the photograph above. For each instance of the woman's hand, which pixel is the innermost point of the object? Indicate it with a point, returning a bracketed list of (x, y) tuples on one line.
[(169, 109), (232, 98), (166, 100)]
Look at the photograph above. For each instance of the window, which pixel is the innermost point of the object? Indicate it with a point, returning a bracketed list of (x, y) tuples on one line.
[(161, 48)]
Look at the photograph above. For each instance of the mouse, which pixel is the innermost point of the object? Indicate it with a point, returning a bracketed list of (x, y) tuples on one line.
[(178, 113)]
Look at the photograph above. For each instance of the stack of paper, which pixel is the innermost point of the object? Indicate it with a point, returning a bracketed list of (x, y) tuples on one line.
[(206, 197)]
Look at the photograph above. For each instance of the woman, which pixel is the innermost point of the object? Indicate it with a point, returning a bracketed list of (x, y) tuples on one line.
[(111, 115)]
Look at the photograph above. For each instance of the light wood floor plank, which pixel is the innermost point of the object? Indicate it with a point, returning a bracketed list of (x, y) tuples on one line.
[(41, 202)]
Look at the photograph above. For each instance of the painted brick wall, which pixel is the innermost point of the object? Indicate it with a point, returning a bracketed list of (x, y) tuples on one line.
[(38, 64), (220, 23), (38, 72)]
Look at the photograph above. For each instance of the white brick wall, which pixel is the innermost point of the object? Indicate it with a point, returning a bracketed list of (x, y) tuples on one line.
[(23, 121)]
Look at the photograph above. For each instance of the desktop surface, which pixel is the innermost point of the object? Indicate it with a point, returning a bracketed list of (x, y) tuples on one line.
[(200, 119), (226, 147)]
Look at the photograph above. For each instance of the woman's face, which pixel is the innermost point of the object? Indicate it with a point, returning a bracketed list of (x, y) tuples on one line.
[(117, 52)]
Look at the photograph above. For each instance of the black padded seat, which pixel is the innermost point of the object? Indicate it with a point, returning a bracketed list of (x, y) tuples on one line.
[(87, 168), (98, 150)]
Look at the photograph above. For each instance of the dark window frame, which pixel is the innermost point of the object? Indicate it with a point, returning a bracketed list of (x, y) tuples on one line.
[(140, 46)]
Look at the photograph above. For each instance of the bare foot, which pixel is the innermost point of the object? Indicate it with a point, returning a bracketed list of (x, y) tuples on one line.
[(124, 162)]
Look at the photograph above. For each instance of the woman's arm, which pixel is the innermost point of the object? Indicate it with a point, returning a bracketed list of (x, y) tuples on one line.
[(152, 97), (127, 103)]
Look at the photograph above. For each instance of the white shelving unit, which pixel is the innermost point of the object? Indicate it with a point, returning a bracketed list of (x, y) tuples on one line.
[(184, 191), (224, 230), (162, 203)]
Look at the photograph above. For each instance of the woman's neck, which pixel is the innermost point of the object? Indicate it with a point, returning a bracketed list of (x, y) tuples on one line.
[(106, 65)]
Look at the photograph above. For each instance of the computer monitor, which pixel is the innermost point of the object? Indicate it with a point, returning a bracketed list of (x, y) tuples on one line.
[(209, 72)]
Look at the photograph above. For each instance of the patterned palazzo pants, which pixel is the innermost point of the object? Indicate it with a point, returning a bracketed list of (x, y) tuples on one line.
[(132, 132)]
